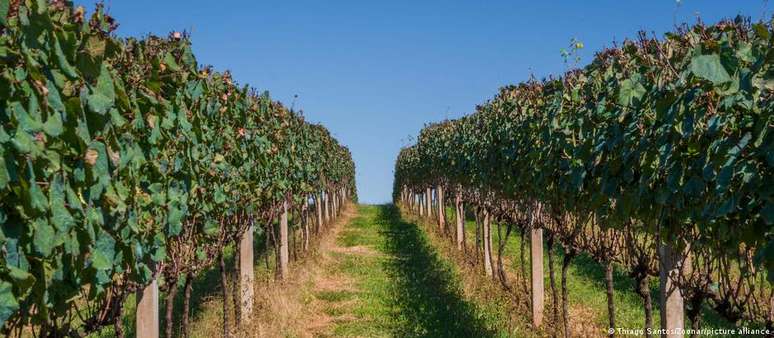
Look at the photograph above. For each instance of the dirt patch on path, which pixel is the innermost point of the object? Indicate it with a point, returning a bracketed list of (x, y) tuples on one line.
[(357, 250)]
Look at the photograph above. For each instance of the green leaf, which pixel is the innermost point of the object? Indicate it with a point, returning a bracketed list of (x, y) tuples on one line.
[(100, 170), (5, 175), (37, 198), (630, 90), (174, 219), (694, 186), (23, 142), (169, 60), (8, 303), (68, 69), (60, 217), (95, 46), (44, 237), (53, 125), (99, 261), (708, 67), (104, 251), (22, 279), (159, 254), (211, 227), (767, 213), (201, 254), (53, 98), (4, 6), (103, 95), (220, 196)]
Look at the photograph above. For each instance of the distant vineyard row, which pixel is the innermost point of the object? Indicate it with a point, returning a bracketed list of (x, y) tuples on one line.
[(657, 156), (123, 161)]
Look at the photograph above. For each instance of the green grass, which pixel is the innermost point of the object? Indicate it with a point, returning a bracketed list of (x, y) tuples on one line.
[(405, 289), (334, 296)]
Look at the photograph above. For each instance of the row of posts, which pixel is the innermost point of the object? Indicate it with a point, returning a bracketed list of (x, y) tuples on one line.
[(671, 299), (147, 312)]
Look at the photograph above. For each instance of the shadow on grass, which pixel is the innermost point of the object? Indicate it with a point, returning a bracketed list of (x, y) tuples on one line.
[(431, 299)]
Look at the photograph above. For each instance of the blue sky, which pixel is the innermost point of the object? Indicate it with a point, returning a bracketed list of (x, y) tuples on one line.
[(374, 72)]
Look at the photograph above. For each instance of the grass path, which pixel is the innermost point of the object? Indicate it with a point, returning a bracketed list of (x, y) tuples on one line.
[(394, 284), (374, 273)]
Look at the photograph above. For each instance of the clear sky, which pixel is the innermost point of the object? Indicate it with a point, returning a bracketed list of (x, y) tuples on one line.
[(374, 72)]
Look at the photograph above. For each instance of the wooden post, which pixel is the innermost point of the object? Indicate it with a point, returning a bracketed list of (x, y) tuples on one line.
[(536, 249), (147, 320), (246, 276), (672, 307), (283, 249)]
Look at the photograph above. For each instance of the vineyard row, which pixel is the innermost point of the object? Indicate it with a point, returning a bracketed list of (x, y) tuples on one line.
[(126, 166), (656, 157)]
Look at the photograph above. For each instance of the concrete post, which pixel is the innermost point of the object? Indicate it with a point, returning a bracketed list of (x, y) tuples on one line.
[(318, 206), (429, 202), (246, 275), (327, 203), (672, 307), (283, 249), (460, 221), (306, 220), (487, 245), (421, 205), (441, 211), (538, 294), (147, 319), (334, 207)]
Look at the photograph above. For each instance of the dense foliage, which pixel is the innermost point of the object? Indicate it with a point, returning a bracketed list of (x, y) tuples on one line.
[(111, 149), (670, 138)]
